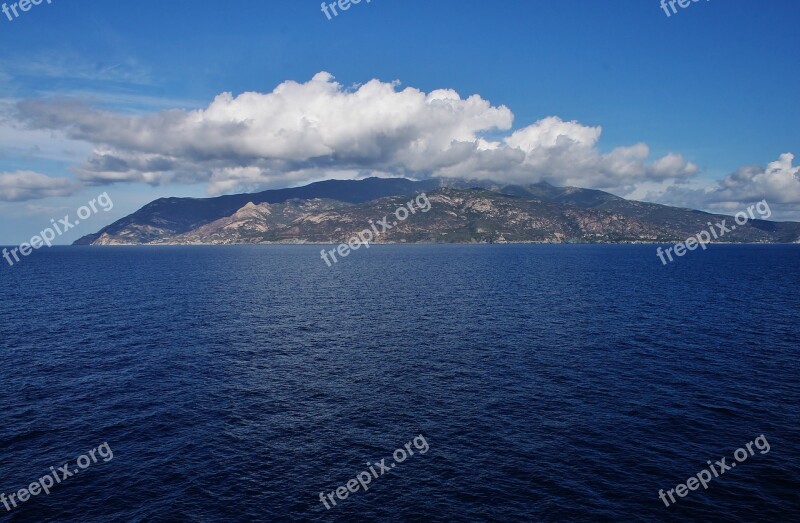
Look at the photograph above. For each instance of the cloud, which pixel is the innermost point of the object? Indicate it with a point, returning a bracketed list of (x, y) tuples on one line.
[(304, 131), (778, 183), (566, 153), (28, 185), (24, 143), (70, 67)]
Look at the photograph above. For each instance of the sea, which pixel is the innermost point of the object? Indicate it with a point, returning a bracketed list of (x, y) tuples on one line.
[(255, 383)]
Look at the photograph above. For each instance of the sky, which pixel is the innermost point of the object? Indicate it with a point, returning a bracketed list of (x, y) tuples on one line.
[(138, 100)]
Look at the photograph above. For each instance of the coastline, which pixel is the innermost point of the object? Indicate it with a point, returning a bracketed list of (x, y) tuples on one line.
[(286, 243)]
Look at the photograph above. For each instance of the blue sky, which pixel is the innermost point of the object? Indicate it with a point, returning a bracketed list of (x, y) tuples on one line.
[(711, 90)]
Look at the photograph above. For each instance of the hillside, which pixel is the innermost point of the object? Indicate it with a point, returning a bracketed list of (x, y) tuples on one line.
[(461, 211)]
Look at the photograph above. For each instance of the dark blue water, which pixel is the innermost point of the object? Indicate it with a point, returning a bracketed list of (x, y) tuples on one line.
[(552, 383)]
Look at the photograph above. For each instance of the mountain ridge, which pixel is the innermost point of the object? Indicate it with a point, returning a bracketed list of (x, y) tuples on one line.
[(468, 211)]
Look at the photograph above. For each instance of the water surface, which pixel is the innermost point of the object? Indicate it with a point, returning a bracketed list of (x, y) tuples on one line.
[(552, 383)]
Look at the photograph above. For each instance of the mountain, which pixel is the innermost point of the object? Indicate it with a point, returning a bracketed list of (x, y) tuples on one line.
[(167, 217), (460, 211)]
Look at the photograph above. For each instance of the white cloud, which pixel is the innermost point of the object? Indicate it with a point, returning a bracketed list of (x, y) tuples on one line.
[(304, 131), (778, 183), (27, 185), (66, 66), (551, 133)]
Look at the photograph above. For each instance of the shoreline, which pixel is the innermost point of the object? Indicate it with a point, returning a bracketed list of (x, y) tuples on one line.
[(410, 243)]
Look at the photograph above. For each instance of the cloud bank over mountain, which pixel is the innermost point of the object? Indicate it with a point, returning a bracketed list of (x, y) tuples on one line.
[(778, 183), (301, 131), (319, 129)]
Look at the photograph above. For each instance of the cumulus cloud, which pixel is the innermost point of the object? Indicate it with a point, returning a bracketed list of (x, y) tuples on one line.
[(27, 185), (778, 183), (305, 131), (567, 153)]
